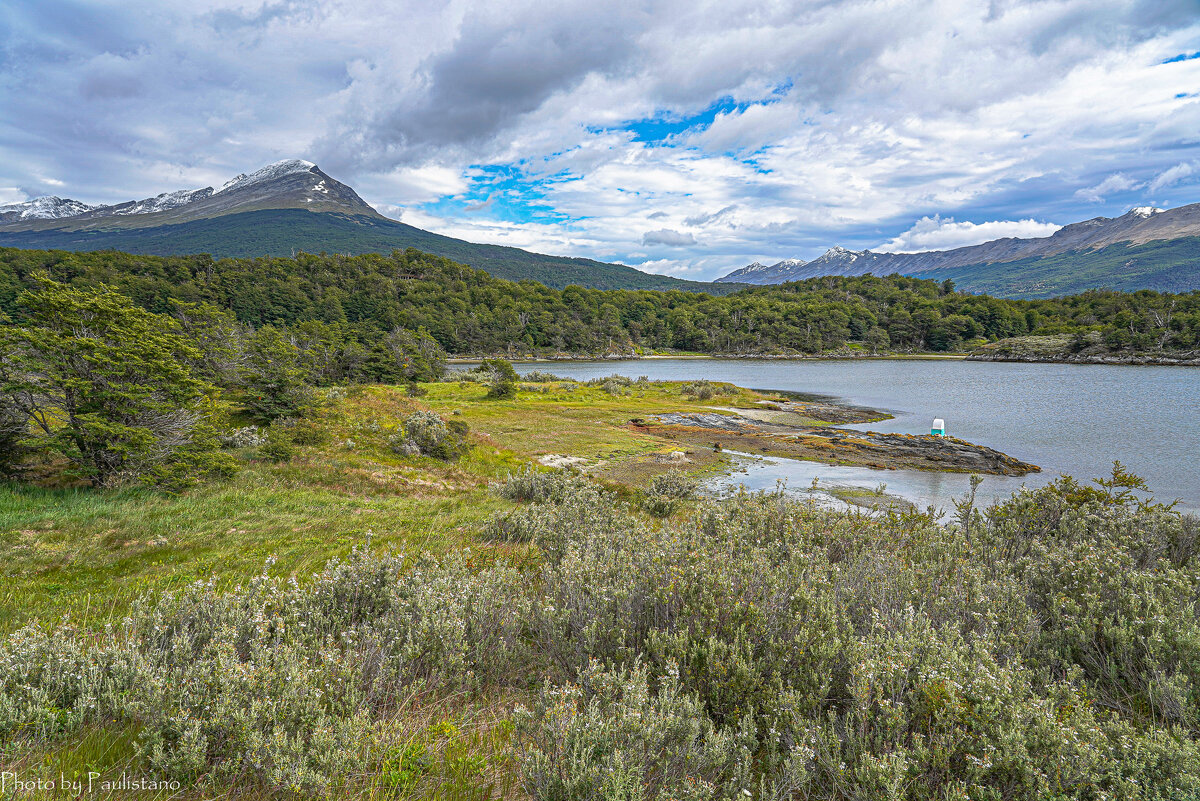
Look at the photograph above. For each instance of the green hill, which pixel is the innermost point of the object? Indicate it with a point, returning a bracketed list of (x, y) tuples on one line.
[(284, 232)]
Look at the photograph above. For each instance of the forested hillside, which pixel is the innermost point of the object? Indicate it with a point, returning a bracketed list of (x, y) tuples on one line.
[(470, 312), (278, 232)]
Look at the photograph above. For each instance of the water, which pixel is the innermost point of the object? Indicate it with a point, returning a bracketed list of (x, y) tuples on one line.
[(1068, 419)]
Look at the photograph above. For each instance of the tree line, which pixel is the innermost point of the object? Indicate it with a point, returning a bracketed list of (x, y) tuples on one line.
[(353, 302)]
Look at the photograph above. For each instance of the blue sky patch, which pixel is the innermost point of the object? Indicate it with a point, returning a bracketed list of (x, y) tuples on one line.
[(1182, 57)]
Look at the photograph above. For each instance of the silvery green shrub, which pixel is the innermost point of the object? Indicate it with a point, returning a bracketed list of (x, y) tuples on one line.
[(757, 647), (246, 437), (428, 434), (665, 492), (610, 736)]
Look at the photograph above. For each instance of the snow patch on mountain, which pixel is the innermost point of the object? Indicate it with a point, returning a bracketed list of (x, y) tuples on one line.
[(167, 200), (1145, 212), (268, 173), (45, 208)]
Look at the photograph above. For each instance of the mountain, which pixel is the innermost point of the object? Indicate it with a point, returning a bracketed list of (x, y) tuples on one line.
[(286, 207), (1145, 248), (759, 273)]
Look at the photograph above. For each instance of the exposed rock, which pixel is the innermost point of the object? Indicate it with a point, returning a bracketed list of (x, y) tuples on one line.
[(836, 445)]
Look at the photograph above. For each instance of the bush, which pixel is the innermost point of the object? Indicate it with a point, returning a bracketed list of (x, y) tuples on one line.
[(759, 648), (666, 491), (278, 446), (539, 486), (501, 378), (246, 437), (705, 390), (428, 434), (610, 736), (541, 377)]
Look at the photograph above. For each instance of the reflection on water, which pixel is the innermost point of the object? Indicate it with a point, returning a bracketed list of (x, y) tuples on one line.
[(924, 489), (1068, 419)]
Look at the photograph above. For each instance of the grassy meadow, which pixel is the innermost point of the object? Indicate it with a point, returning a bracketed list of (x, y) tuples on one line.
[(88, 553)]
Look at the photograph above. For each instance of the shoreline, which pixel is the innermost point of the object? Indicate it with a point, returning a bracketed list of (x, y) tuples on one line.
[(709, 357), (810, 431), (1131, 360)]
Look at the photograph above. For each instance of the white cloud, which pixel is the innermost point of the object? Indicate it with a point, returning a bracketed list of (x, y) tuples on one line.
[(1174, 175), (839, 123), (1117, 182), (10, 194), (937, 233), (665, 236)]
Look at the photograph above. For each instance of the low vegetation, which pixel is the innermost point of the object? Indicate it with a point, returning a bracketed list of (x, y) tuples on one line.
[(391, 600), (753, 648)]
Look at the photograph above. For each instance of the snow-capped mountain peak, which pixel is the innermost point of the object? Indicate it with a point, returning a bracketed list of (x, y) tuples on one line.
[(267, 173), (49, 207), (1145, 211), (165, 201), (839, 252)]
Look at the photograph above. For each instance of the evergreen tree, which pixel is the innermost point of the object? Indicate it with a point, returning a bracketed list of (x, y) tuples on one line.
[(104, 384), (276, 383)]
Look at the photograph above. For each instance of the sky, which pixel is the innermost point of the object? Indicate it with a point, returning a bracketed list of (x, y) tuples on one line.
[(686, 138)]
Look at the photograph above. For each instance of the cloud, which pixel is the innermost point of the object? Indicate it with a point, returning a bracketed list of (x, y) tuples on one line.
[(762, 129), (1114, 183), (716, 216), (936, 233), (1174, 175), (665, 236)]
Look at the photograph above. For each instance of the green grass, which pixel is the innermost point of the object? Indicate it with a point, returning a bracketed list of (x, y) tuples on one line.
[(90, 553)]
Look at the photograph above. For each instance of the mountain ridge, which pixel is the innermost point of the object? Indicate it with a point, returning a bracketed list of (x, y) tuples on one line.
[(1086, 239)]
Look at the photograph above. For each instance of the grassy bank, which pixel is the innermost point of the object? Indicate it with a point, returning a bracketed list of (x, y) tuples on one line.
[(89, 553)]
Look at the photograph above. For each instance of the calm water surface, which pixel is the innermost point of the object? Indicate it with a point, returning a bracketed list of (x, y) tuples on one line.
[(1068, 419)]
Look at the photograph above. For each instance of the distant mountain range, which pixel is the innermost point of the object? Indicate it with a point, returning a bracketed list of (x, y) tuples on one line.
[(283, 208), (293, 206), (1146, 248)]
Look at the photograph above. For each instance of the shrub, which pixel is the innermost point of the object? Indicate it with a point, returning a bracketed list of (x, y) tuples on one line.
[(759, 648), (666, 491), (428, 434), (541, 377), (246, 437), (540, 486), (278, 446), (501, 378), (705, 390), (610, 736)]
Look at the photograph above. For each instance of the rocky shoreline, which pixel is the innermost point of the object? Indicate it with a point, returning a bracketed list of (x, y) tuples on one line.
[(1129, 359), (750, 431), (1067, 349)]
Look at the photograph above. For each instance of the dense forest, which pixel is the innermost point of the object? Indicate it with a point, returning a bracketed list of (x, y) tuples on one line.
[(470, 312)]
